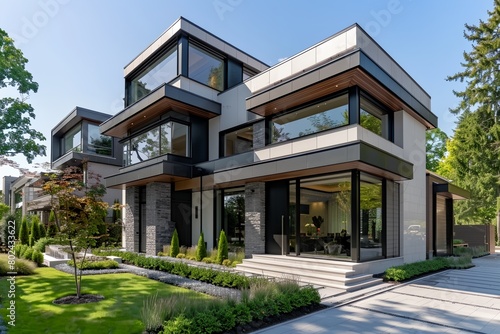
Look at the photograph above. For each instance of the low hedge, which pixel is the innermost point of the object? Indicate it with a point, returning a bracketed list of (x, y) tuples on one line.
[(95, 265), (226, 316), (410, 270), (215, 277)]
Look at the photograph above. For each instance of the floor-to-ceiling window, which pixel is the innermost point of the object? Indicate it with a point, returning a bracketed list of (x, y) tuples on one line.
[(322, 223), (320, 216), (370, 227)]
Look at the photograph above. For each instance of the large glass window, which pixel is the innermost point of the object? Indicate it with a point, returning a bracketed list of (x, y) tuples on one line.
[(174, 139), (206, 68), (97, 143), (324, 216), (160, 72), (315, 118), (168, 138), (238, 141), (370, 229), (72, 140), (372, 117)]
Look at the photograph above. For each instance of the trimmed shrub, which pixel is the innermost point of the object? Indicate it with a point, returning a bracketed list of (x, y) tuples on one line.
[(222, 251), (43, 231), (201, 249), (23, 250), (227, 263), (181, 256), (28, 253), (174, 245), (95, 265), (35, 230), (24, 234), (21, 267), (42, 242), (37, 257), (409, 270)]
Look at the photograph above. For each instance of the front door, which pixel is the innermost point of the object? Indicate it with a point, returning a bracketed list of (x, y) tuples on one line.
[(277, 217)]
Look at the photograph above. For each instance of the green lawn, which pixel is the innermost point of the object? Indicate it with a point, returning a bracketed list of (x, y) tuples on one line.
[(119, 312)]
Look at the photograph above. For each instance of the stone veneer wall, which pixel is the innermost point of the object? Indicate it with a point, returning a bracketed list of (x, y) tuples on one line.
[(259, 135), (159, 225), (131, 222), (255, 218)]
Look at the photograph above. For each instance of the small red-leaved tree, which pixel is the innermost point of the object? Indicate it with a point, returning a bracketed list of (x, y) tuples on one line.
[(78, 212)]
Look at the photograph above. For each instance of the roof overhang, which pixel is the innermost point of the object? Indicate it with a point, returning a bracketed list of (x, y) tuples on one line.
[(162, 99), (355, 155), (449, 190), (76, 116), (78, 158), (162, 171), (352, 69)]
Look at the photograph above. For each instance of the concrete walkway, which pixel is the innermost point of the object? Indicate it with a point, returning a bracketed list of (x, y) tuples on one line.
[(452, 301)]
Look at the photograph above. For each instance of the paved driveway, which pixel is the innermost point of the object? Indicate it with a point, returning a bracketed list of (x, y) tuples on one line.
[(453, 301)]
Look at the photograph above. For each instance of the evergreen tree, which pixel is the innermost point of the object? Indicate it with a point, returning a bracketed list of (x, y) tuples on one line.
[(24, 234), (473, 161), (43, 232), (222, 249), (35, 230), (201, 249), (174, 245)]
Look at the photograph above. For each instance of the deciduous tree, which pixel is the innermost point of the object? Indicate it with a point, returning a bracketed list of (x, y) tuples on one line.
[(16, 134), (78, 212)]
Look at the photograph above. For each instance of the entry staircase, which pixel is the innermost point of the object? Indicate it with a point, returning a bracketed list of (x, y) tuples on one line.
[(317, 272)]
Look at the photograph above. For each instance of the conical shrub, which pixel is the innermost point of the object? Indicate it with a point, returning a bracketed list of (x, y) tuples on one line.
[(174, 244), (222, 249), (201, 250)]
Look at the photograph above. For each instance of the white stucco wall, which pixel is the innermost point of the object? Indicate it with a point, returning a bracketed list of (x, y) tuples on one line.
[(207, 214), (413, 195)]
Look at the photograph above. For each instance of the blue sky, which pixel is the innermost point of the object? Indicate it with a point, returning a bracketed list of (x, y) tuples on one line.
[(77, 49)]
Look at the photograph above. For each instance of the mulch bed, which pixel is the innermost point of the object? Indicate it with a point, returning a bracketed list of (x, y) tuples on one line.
[(84, 299)]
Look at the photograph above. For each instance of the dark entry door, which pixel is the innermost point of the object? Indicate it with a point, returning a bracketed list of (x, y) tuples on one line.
[(181, 215), (277, 194)]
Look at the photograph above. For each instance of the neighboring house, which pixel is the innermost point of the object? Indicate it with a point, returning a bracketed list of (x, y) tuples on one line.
[(76, 141), (319, 156), (7, 181)]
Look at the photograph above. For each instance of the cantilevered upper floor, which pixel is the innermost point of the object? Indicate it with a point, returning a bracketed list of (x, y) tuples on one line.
[(77, 139)]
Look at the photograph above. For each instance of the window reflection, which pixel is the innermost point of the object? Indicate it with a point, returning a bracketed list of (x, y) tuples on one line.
[(97, 143), (370, 230), (72, 140), (206, 68), (168, 138), (160, 72), (371, 117), (238, 141), (315, 118)]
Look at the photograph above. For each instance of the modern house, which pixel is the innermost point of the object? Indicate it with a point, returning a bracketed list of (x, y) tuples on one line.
[(320, 157), (77, 141)]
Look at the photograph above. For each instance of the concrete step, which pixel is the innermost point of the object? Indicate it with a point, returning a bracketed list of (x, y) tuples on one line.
[(299, 265), (317, 272)]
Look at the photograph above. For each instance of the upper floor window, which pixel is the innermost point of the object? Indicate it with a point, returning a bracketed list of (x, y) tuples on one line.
[(373, 118), (318, 117), (72, 140), (97, 143), (206, 68), (161, 71), (168, 138), (238, 141)]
